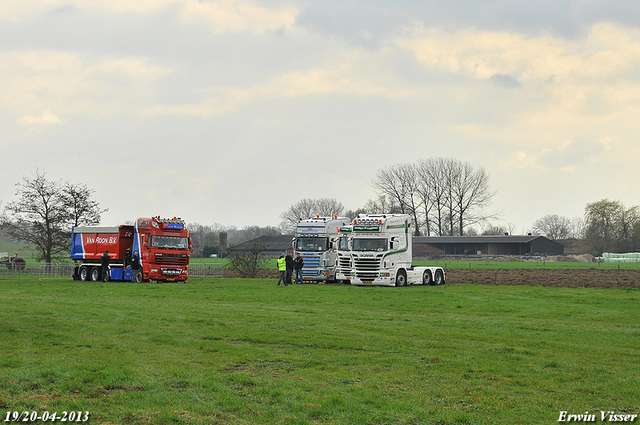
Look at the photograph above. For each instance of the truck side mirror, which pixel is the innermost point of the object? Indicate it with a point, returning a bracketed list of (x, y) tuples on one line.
[(293, 244)]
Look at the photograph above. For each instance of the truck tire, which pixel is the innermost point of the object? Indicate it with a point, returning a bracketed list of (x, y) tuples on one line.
[(426, 278), (95, 274), (19, 263), (83, 273), (401, 278), (439, 279), (137, 277)]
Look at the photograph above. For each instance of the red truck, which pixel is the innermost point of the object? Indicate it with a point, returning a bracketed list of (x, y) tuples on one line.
[(163, 246)]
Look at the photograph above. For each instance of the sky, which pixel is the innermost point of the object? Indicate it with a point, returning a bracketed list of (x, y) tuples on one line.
[(230, 112)]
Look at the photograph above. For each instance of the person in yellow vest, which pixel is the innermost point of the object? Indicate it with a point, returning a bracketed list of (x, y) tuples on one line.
[(282, 268)]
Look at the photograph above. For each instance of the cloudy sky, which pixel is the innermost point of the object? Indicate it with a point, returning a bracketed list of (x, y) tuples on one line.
[(231, 111)]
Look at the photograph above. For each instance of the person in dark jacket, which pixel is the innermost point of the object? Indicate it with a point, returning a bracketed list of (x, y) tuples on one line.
[(104, 262), (298, 263), (289, 263), (135, 268)]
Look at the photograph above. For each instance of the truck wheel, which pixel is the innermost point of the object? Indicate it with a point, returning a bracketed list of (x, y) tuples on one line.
[(19, 263), (137, 277), (83, 274), (426, 278), (439, 280), (401, 278), (95, 274)]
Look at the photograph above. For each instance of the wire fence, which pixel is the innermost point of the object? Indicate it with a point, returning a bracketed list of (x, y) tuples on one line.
[(42, 271), (65, 271), (206, 270)]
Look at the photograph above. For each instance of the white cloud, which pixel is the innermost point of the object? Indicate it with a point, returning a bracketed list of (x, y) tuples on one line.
[(220, 15), (74, 84), (47, 118), (135, 68), (233, 16), (607, 50)]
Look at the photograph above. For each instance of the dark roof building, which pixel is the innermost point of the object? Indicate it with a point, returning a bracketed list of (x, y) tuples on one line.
[(273, 245), (486, 245), (429, 246)]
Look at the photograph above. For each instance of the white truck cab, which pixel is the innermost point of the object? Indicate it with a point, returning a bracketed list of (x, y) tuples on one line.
[(379, 253), (314, 241)]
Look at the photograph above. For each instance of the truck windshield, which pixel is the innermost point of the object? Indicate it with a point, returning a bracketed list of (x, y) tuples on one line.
[(311, 244), (370, 245), (343, 243), (175, 242)]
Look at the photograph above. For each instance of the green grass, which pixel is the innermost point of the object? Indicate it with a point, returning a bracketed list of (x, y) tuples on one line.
[(234, 351)]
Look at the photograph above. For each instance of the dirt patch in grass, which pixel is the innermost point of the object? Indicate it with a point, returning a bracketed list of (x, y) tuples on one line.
[(572, 278)]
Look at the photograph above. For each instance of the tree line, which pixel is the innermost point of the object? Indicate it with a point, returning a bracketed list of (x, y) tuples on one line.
[(443, 197)]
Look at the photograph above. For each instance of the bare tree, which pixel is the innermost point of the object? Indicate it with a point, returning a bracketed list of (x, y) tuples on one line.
[(450, 194), (470, 194), (400, 184), (207, 237), (433, 191), (383, 204), (390, 182), (44, 213), (506, 229), (553, 226), (253, 232), (77, 200), (577, 228), (249, 261), (307, 208), (412, 184)]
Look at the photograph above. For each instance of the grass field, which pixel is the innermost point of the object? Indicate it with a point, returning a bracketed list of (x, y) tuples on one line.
[(233, 351)]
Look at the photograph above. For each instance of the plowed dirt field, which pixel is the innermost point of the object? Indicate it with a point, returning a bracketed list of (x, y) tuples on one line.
[(580, 278)]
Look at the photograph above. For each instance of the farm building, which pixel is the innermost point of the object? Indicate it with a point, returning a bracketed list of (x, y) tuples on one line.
[(273, 245), (429, 246), (425, 246)]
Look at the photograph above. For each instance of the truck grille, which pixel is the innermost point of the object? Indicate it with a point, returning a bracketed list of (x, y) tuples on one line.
[(171, 260), (367, 268), (345, 265), (311, 262), (311, 267)]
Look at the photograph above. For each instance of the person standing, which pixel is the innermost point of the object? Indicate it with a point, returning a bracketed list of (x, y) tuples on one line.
[(135, 268), (282, 268), (104, 262), (289, 267), (298, 263)]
